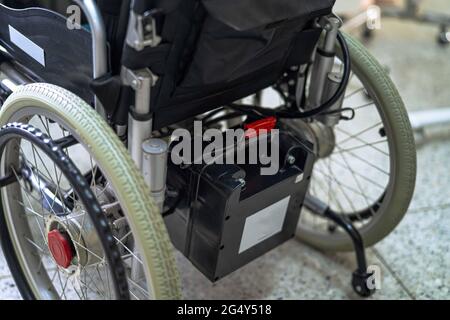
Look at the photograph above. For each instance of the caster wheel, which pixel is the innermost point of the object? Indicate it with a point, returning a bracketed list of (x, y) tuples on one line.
[(367, 34), (360, 284), (444, 36)]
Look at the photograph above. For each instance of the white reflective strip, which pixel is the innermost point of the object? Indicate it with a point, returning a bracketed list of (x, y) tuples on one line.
[(264, 224), (9, 84), (28, 46)]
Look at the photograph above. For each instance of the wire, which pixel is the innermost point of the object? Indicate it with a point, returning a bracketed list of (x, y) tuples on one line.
[(212, 114), (316, 111), (225, 117)]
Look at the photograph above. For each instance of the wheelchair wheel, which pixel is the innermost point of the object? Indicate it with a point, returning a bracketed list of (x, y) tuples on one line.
[(367, 166), (47, 201), (137, 227)]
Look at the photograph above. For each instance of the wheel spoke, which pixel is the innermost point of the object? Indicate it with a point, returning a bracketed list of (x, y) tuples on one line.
[(351, 94), (356, 135)]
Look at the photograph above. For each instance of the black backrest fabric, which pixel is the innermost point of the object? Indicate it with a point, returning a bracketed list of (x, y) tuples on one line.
[(217, 51), (63, 50), (248, 14), (115, 14)]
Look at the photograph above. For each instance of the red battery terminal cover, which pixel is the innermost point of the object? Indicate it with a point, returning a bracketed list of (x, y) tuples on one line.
[(253, 129)]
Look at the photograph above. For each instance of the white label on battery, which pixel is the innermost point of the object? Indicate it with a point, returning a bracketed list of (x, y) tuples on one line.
[(264, 224), (28, 46)]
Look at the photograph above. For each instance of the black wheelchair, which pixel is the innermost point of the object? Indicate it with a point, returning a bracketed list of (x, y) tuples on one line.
[(92, 93)]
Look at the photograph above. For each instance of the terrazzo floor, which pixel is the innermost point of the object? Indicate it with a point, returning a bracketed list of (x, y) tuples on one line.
[(415, 258)]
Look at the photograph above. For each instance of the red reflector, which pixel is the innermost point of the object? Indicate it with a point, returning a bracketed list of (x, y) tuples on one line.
[(60, 248), (253, 129)]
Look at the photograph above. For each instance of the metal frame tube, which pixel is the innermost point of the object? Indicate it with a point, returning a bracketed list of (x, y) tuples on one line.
[(99, 43), (154, 168), (427, 118), (139, 130), (324, 60)]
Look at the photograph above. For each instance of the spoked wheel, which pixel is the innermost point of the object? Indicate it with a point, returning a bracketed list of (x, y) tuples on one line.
[(55, 237), (137, 228), (367, 166)]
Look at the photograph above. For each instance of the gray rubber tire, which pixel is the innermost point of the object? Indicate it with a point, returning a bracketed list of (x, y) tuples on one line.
[(403, 155), (112, 157)]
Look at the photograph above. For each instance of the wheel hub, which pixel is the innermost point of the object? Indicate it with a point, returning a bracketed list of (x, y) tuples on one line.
[(60, 247), (322, 136), (79, 235)]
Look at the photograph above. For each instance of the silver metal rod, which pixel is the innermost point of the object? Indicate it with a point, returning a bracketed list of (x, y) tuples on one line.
[(421, 119), (99, 43), (154, 168), (139, 130)]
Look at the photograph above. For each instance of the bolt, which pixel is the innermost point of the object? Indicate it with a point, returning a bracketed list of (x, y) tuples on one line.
[(135, 84), (291, 159), (242, 182)]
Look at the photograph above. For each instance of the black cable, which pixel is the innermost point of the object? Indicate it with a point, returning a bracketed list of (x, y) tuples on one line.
[(225, 117), (173, 207), (212, 114), (316, 111)]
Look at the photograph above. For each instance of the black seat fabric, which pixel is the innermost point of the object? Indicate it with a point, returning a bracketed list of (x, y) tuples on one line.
[(217, 51)]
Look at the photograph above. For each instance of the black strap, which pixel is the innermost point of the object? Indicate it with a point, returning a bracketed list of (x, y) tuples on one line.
[(107, 89), (142, 6)]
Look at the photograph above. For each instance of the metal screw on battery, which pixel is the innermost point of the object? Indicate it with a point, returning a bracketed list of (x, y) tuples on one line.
[(291, 159)]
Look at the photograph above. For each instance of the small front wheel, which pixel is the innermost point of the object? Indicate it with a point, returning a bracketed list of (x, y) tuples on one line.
[(360, 284)]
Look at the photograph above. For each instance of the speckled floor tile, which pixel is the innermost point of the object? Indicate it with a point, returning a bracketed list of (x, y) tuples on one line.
[(292, 271), (8, 289), (4, 270), (419, 254), (433, 175)]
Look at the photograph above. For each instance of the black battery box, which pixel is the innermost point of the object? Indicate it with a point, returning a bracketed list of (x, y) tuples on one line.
[(228, 215)]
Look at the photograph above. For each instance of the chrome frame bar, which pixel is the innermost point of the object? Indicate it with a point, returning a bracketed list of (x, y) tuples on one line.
[(434, 117), (99, 43)]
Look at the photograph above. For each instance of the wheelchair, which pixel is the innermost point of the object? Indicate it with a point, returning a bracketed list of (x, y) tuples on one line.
[(91, 94)]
